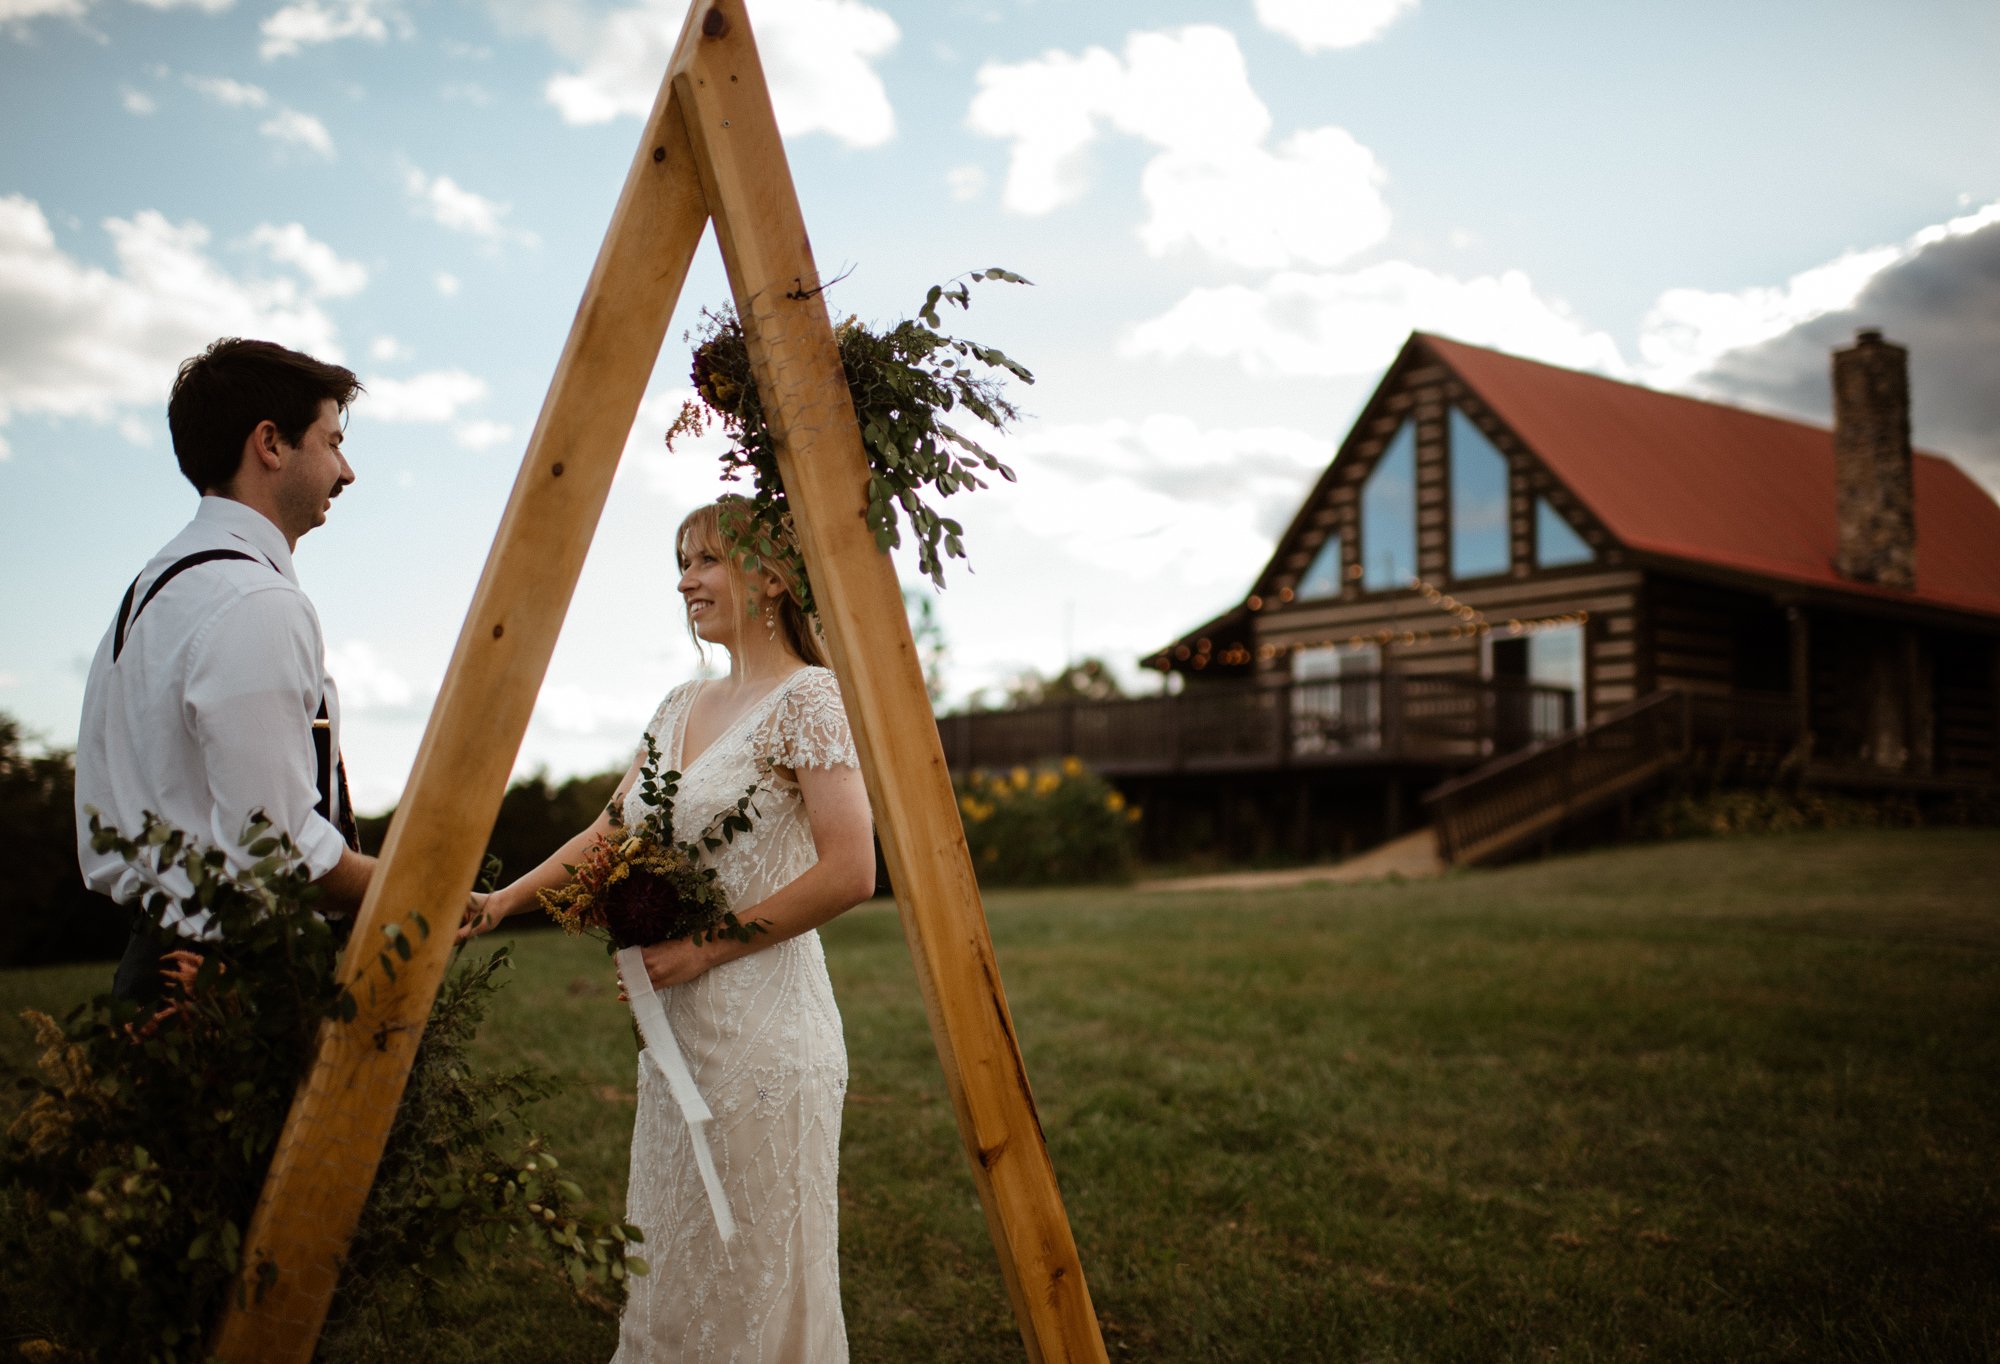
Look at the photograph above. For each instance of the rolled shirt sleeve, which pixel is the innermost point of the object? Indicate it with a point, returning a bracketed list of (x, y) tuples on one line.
[(255, 681)]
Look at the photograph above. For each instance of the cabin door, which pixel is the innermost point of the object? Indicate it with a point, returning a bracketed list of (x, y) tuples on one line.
[(1513, 719)]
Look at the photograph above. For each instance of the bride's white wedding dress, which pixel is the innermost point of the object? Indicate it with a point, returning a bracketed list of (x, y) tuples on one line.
[(762, 1036)]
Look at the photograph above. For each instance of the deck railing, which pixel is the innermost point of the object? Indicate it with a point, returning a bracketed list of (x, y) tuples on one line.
[(1358, 718), (1517, 799)]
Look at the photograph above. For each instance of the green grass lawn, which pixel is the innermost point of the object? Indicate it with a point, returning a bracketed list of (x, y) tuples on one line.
[(1704, 1101)]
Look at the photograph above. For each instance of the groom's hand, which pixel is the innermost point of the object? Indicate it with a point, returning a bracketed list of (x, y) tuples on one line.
[(476, 918)]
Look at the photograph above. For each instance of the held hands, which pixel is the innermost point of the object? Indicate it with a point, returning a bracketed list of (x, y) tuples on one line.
[(482, 914)]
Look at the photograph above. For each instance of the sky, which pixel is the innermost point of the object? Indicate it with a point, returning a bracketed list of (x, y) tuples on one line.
[(1233, 213)]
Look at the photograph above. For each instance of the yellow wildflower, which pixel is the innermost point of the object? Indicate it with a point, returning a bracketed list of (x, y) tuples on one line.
[(1114, 802), (1072, 766), (1020, 778), (1133, 814), (1046, 782)]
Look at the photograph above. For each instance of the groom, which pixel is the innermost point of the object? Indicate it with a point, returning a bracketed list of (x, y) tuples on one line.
[(209, 698)]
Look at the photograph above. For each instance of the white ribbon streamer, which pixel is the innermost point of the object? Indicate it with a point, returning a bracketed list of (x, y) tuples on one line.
[(665, 1050)]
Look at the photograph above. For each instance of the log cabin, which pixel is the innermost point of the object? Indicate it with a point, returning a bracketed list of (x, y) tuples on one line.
[(1520, 594)]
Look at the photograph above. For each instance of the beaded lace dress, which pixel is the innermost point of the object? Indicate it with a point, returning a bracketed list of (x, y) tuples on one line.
[(762, 1036)]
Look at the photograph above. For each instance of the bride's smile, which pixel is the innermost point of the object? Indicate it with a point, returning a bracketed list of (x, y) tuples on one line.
[(707, 592)]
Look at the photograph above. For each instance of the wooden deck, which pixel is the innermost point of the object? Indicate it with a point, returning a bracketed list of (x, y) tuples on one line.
[(1452, 723), (1516, 801)]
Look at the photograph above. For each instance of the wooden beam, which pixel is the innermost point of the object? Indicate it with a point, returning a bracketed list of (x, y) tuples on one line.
[(720, 82), (332, 1140)]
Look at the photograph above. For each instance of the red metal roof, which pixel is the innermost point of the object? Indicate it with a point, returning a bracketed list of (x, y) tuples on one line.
[(1687, 479)]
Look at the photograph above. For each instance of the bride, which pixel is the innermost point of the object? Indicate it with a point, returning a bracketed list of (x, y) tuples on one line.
[(756, 1020)]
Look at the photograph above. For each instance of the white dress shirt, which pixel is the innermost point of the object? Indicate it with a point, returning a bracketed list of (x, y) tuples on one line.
[(207, 714)]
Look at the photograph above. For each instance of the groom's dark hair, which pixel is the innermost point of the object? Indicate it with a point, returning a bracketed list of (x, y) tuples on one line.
[(221, 394)]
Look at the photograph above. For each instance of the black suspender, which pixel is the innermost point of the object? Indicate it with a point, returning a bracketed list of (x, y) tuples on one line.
[(206, 556), (332, 771)]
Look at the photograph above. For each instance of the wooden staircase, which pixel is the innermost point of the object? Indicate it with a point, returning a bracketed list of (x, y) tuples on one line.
[(1527, 796)]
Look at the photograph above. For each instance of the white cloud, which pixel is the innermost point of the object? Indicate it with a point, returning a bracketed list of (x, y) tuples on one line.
[(446, 284), (434, 396), (285, 125), (483, 434), (445, 202), (1315, 201), (308, 23), (138, 102), (386, 348), (590, 713), (328, 275), (1049, 109), (366, 681), (205, 6), (818, 58), (1328, 24), (1298, 323), (1688, 330), (679, 474), (15, 14), (965, 182), (299, 130), (82, 341), (1213, 183), (232, 94), (1177, 486)]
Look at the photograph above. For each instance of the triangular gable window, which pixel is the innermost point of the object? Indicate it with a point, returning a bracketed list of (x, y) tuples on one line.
[(1322, 579), (1389, 514), (1478, 502), (1556, 541)]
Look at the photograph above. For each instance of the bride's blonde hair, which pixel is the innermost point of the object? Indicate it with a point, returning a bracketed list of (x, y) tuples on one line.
[(703, 529)]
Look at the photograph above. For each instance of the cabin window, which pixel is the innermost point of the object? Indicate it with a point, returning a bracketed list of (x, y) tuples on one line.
[(1478, 502), (1337, 699), (1322, 578), (1389, 514), (1555, 658), (1556, 541)]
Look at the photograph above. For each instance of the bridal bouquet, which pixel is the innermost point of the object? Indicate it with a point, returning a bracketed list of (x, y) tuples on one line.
[(639, 886)]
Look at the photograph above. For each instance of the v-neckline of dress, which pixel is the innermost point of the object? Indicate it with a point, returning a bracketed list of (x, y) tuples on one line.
[(680, 729)]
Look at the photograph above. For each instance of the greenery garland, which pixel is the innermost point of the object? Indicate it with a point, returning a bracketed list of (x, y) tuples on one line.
[(904, 382)]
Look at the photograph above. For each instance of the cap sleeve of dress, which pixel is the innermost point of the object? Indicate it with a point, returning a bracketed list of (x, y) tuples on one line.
[(808, 726)]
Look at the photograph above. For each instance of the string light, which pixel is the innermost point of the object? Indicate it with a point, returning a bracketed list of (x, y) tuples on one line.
[(1471, 624)]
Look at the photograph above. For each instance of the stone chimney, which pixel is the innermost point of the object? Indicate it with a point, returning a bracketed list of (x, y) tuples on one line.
[(1871, 462)]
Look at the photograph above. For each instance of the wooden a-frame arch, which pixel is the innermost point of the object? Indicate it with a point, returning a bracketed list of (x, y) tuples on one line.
[(711, 151)]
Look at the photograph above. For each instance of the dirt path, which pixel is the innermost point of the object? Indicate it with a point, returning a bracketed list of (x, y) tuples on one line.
[(1411, 856)]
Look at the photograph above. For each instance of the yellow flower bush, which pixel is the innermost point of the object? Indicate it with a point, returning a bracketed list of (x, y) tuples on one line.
[(1059, 823)]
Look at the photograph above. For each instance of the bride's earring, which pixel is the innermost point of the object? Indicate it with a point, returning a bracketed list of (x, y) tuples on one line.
[(771, 620)]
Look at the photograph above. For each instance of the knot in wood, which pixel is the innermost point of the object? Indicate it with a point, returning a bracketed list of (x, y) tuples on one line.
[(714, 23)]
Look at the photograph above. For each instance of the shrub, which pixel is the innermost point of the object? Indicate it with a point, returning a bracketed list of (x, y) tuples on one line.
[(1771, 811), (1055, 824), (132, 1172)]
